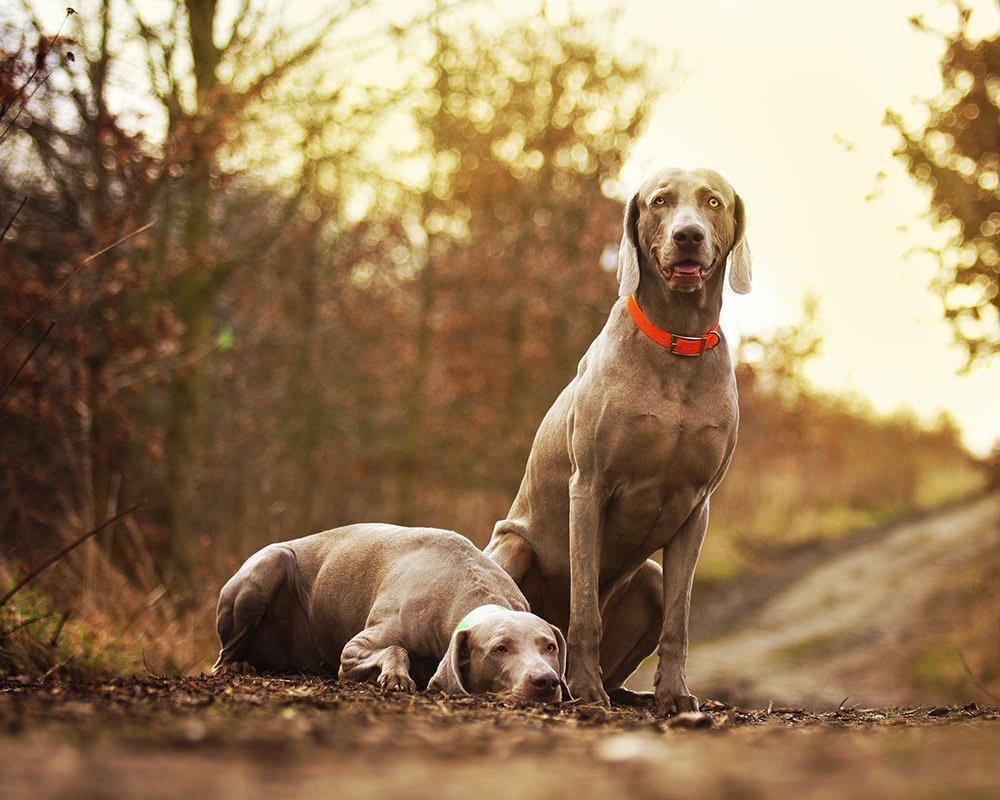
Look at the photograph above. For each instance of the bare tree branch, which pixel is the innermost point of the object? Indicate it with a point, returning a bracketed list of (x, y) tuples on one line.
[(25, 624), (48, 562), (975, 681), (39, 63), (26, 359), (75, 272), (155, 44), (13, 217)]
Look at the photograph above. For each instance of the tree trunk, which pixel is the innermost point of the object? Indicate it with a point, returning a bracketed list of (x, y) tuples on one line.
[(194, 293), (416, 396)]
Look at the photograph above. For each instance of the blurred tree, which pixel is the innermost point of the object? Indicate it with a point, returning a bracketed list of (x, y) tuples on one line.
[(956, 154), (106, 148), (233, 83), (776, 364), (525, 129), (435, 332), (81, 175)]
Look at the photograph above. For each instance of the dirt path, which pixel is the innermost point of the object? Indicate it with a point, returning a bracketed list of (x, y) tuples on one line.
[(845, 627), (280, 738)]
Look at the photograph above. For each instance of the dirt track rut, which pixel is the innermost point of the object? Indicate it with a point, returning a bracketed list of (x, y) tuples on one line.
[(845, 627)]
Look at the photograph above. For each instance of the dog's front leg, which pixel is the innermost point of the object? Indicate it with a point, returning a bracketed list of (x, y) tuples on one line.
[(371, 656), (586, 517), (680, 555)]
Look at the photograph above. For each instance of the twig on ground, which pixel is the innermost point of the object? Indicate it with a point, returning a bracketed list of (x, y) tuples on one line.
[(59, 628), (26, 359), (843, 703), (32, 574), (45, 675), (978, 685), (25, 624), (145, 666)]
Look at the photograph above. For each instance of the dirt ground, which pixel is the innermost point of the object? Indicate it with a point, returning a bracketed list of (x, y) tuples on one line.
[(251, 737), (822, 627)]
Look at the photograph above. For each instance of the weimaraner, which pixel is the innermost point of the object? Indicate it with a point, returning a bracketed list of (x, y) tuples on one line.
[(400, 606), (627, 457)]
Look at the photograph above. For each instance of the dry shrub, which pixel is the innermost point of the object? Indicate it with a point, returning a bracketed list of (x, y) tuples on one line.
[(85, 617)]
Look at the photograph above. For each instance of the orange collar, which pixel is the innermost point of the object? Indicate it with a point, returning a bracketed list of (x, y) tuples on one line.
[(675, 343)]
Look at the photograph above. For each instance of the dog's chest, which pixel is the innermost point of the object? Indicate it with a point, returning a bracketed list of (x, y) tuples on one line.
[(665, 460), (670, 472), (676, 445)]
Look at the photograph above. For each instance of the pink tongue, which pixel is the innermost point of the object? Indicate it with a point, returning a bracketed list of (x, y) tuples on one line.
[(686, 270)]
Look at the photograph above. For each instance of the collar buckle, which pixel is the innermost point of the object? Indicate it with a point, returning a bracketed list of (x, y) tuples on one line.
[(701, 340)]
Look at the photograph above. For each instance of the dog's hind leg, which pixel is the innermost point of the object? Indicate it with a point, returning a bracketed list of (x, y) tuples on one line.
[(511, 550), (243, 603), (514, 554), (632, 623)]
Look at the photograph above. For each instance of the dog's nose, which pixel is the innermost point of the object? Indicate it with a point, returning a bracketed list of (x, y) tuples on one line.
[(545, 680), (689, 236)]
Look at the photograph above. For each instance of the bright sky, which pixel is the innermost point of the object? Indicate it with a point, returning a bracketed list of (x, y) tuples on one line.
[(786, 99)]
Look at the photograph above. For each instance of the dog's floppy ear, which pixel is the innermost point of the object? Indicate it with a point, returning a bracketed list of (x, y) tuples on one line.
[(628, 251), (563, 651), (740, 273), (448, 678)]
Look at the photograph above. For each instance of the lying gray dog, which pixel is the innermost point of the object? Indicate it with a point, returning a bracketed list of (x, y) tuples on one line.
[(400, 606), (625, 461)]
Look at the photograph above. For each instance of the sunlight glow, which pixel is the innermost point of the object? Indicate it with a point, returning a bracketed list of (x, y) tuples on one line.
[(788, 103)]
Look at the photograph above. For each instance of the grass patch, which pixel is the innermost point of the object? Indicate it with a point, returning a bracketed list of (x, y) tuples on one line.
[(965, 656), (812, 647), (938, 665), (720, 559), (36, 639), (112, 628), (938, 487)]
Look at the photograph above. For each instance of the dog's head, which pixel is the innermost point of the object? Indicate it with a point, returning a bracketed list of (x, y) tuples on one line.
[(680, 226), (513, 654)]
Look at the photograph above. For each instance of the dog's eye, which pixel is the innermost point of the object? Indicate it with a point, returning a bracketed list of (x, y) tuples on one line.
[(659, 201), (551, 647), (500, 649), (713, 202)]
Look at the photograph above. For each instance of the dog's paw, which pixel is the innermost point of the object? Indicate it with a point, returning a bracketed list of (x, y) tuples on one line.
[(668, 705), (396, 682), (236, 668), (589, 692)]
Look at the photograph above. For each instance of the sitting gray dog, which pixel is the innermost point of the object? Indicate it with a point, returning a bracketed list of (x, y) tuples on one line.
[(626, 459), (404, 607)]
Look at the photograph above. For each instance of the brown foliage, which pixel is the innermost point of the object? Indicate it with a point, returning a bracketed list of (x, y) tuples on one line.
[(957, 156)]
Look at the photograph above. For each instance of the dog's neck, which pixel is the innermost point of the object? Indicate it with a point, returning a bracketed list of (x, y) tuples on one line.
[(684, 313)]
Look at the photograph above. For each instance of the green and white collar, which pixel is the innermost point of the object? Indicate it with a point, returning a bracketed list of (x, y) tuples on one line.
[(477, 615)]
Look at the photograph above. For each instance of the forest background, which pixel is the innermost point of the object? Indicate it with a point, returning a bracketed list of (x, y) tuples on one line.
[(270, 273)]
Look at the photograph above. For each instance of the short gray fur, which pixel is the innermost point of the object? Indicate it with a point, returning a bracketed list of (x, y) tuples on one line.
[(625, 461), (381, 602)]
